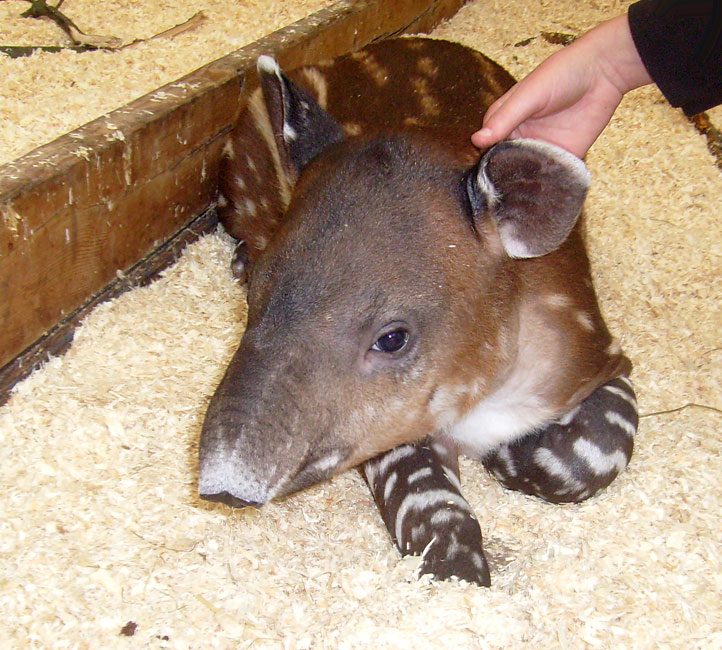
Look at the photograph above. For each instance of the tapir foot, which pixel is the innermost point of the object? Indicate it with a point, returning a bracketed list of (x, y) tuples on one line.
[(417, 490), (573, 458), (444, 559)]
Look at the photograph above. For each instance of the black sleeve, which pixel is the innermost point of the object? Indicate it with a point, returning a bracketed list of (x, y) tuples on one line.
[(680, 42)]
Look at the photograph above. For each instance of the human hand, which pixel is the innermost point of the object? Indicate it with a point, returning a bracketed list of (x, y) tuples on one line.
[(570, 98)]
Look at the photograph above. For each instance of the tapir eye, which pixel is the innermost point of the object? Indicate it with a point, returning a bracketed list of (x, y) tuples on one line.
[(392, 341)]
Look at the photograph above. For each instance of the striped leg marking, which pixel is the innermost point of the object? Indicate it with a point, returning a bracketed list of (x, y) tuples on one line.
[(417, 490), (581, 453)]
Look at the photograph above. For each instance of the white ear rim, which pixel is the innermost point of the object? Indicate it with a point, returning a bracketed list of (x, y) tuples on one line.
[(268, 64), (486, 187), (515, 248), (567, 159)]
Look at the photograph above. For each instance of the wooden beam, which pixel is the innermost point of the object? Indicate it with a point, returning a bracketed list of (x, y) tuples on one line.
[(95, 201)]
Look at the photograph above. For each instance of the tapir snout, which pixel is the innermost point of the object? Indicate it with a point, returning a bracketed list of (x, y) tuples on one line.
[(252, 447)]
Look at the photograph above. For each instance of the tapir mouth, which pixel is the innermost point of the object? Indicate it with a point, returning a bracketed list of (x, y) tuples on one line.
[(321, 466), (230, 500)]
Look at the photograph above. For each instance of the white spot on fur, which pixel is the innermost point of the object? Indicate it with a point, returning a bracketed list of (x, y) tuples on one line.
[(426, 66), (614, 348), (585, 320), (627, 381), (599, 462), (374, 469), (429, 104), (558, 301), (623, 394), (441, 517), (228, 149), (390, 484), (250, 207), (419, 474), (352, 128), (317, 81), (413, 121), (239, 181), (371, 66), (289, 133), (504, 455), (566, 419), (556, 467), (618, 421), (423, 500)]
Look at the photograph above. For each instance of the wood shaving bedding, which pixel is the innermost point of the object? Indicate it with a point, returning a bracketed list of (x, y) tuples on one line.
[(102, 526), (49, 94)]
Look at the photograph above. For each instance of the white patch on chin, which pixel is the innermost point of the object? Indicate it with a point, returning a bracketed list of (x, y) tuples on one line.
[(502, 417), (513, 409), (326, 463)]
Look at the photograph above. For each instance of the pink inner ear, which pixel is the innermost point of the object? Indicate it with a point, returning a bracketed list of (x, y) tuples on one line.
[(535, 193)]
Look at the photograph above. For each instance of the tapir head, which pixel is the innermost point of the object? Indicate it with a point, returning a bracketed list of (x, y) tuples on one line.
[(389, 274)]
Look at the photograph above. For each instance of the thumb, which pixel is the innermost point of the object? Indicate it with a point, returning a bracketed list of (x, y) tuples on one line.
[(507, 113)]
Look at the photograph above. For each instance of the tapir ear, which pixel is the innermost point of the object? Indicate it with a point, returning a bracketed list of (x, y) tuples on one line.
[(533, 190), (301, 127)]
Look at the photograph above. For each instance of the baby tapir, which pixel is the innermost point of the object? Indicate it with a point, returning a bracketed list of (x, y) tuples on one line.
[(410, 299)]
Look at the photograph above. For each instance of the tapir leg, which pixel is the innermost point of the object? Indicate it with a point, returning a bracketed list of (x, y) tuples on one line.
[(573, 458), (417, 490)]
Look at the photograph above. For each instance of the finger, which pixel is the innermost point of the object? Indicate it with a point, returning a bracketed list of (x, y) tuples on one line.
[(523, 101), (487, 136)]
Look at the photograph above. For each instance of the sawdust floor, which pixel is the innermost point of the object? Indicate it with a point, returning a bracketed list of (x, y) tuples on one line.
[(48, 94), (101, 524)]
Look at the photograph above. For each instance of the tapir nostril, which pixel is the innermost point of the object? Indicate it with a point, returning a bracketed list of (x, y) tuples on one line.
[(229, 500)]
